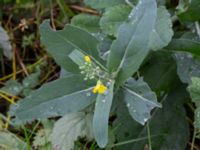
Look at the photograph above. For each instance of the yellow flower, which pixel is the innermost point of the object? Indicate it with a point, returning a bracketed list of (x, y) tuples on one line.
[(87, 59), (100, 88)]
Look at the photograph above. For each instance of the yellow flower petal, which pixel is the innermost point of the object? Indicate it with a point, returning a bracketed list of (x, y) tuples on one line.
[(95, 90), (87, 59), (102, 89)]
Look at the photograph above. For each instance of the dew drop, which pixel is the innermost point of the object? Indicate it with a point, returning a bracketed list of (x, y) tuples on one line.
[(189, 56), (101, 38), (108, 83), (182, 58), (93, 34), (145, 119), (15, 88), (88, 94), (103, 100), (128, 105), (134, 110)]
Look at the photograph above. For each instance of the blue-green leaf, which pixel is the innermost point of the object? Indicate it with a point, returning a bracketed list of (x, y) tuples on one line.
[(5, 44), (169, 128), (99, 4), (191, 12), (159, 68), (64, 73), (69, 128), (87, 22), (113, 18), (57, 98), (194, 90), (10, 141), (61, 43), (169, 124), (131, 46), (185, 44), (12, 87), (187, 66), (77, 57), (101, 116), (140, 100), (162, 34)]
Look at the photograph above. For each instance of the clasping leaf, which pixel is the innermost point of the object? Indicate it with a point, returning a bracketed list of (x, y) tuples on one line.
[(132, 44), (140, 100), (101, 116)]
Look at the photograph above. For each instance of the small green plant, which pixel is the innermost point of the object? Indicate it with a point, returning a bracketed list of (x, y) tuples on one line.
[(108, 64), (93, 80)]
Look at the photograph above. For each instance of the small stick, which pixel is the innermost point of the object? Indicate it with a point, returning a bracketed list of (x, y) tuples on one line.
[(84, 9), (21, 62)]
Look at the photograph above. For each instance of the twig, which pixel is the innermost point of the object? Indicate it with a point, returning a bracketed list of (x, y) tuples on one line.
[(83, 9), (129, 3), (195, 146), (7, 98), (52, 17), (47, 75), (21, 62), (8, 94), (149, 136), (20, 71), (193, 139)]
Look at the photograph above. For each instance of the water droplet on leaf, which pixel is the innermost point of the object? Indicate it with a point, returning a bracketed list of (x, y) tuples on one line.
[(103, 100), (145, 119), (88, 94)]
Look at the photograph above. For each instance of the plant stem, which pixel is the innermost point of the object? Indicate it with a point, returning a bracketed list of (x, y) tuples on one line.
[(26, 138), (193, 139), (134, 140), (149, 136)]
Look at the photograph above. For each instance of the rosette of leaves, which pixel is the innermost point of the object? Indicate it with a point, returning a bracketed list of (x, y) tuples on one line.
[(73, 92)]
